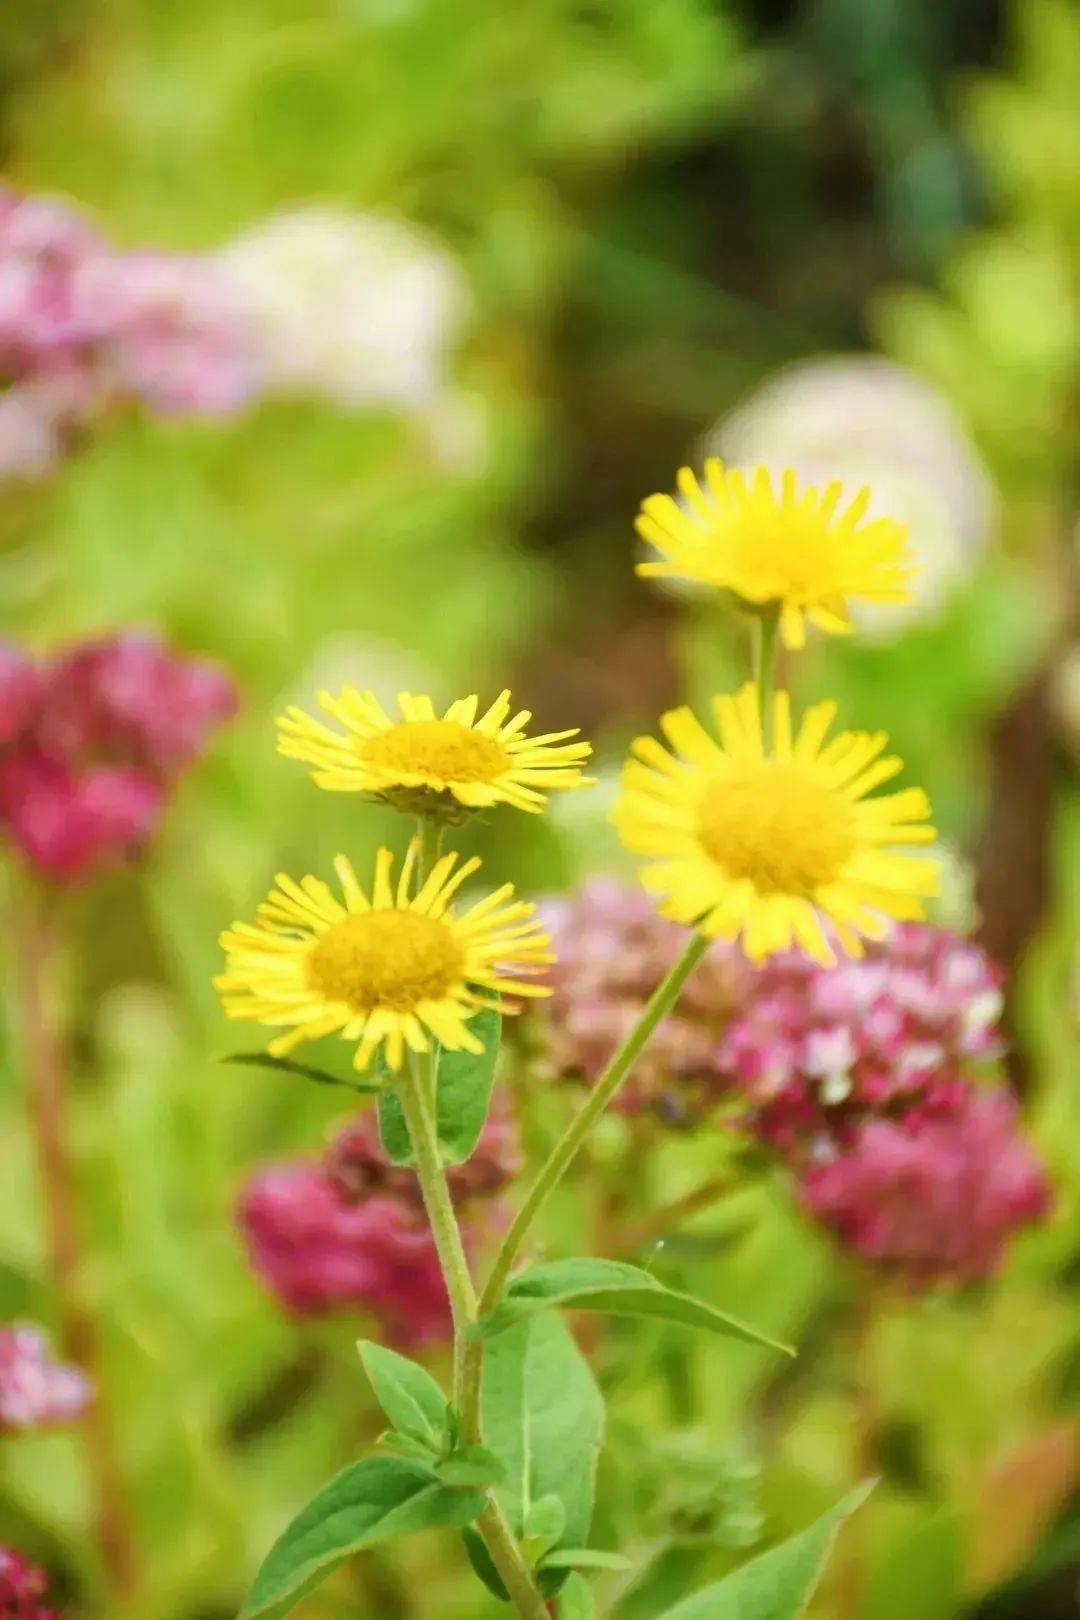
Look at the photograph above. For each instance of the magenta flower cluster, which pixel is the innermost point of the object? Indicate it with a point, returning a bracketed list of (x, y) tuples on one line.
[(612, 951), (85, 328), (36, 1391), (91, 741), (347, 1232), (23, 1586)]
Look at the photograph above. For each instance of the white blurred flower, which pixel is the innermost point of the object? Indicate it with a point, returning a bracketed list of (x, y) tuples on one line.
[(356, 307), (865, 420)]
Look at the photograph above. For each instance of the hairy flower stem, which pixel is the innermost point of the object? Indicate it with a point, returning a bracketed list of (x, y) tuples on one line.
[(765, 633), (47, 1088), (562, 1155), (498, 1538)]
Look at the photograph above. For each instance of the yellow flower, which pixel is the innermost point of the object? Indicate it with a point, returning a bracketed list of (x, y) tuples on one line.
[(433, 765), (770, 846), (795, 552), (396, 969)]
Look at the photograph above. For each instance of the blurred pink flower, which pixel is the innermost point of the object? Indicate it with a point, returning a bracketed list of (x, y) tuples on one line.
[(613, 950), (22, 1586), (932, 1199), (92, 740), (36, 1391), (349, 1232)]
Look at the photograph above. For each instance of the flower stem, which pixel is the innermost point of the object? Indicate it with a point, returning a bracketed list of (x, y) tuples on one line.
[(562, 1154), (498, 1537), (47, 1086), (766, 629)]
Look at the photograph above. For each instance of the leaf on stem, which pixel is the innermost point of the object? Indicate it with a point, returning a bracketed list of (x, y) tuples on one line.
[(612, 1286), (306, 1071), (368, 1502), (409, 1396), (463, 1096)]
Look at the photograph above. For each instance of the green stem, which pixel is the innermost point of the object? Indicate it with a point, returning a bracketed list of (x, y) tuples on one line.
[(431, 837), (766, 629), (562, 1155), (505, 1553)]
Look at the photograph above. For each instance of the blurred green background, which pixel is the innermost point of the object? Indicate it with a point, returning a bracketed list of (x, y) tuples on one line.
[(654, 208)]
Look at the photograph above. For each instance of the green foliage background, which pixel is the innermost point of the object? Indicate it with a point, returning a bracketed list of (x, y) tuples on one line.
[(655, 206)]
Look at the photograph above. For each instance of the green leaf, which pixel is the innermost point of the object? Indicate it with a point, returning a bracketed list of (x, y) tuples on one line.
[(483, 1568), (545, 1525), (615, 1287), (464, 1091), (465, 1080), (368, 1502), (472, 1465), (306, 1071), (779, 1584), (393, 1130), (576, 1600), (544, 1417), (586, 1558), (409, 1396)]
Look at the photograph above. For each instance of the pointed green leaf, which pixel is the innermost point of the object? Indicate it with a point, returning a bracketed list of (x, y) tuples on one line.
[(543, 1416), (576, 1600), (306, 1071), (465, 1080), (472, 1465), (545, 1526), (368, 1502), (409, 1396), (483, 1568), (586, 1558), (779, 1584), (615, 1287), (464, 1093)]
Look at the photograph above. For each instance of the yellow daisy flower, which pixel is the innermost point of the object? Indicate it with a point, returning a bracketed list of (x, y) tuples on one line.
[(795, 551), (428, 764), (770, 847), (394, 970)]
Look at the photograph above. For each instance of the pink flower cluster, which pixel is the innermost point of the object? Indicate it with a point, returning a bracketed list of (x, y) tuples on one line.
[(92, 739), (85, 327), (860, 1076), (22, 1587), (348, 1231), (36, 1392), (612, 951), (815, 1049)]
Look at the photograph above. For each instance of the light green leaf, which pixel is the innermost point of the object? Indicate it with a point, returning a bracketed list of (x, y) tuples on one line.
[(576, 1600), (472, 1465), (779, 1584), (585, 1558), (543, 1416), (464, 1090), (612, 1286), (545, 1525), (409, 1396), (306, 1071), (368, 1502), (465, 1080)]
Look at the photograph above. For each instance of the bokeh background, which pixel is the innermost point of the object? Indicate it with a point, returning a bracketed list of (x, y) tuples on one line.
[(524, 261)]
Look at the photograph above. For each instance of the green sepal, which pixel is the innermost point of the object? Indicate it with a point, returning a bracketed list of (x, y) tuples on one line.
[(463, 1095)]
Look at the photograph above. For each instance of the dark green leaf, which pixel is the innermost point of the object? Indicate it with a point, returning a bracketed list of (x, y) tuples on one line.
[(544, 1417), (306, 1071), (483, 1568), (586, 1558), (616, 1288), (779, 1584), (409, 1396), (472, 1465), (576, 1600), (464, 1091), (368, 1502), (464, 1094), (393, 1131)]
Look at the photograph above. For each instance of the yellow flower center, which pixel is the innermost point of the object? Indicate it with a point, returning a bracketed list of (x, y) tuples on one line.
[(776, 825), (440, 748), (790, 554), (390, 959)]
